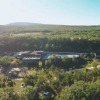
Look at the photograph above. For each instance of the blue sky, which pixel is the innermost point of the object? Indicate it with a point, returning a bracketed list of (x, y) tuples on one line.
[(67, 12)]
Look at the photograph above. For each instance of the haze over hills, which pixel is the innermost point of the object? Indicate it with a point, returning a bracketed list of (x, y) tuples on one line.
[(32, 24), (28, 27), (23, 24)]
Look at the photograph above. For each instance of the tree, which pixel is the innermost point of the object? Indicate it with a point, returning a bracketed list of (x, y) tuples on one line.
[(8, 94)]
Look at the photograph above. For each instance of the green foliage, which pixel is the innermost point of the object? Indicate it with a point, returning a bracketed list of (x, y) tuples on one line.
[(51, 38), (55, 84), (9, 60), (65, 63), (6, 82), (52, 81), (6, 60), (8, 94), (81, 91), (93, 63), (29, 93)]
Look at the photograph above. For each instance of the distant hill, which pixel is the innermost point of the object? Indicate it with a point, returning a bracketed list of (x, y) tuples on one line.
[(23, 24), (27, 27)]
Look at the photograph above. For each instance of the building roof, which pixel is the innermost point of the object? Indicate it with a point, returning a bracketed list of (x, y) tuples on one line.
[(16, 69)]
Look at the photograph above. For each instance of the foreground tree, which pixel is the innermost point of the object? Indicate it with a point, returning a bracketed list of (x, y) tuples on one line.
[(81, 91), (8, 94)]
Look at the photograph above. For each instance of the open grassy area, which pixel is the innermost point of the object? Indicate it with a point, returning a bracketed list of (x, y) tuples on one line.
[(17, 87)]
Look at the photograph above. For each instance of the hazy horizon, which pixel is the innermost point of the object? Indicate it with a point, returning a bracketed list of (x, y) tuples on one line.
[(16, 23), (56, 12)]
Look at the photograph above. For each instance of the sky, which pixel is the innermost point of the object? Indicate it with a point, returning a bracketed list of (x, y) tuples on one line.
[(62, 12)]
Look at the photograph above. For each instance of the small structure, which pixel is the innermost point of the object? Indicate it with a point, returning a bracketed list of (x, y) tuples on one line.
[(22, 74), (15, 70)]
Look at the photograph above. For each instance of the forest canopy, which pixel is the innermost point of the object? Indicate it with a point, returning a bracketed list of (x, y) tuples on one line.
[(50, 38)]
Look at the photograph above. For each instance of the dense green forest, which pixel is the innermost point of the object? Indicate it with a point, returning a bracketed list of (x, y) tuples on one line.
[(54, 84), (7, 29), (50, 38)]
